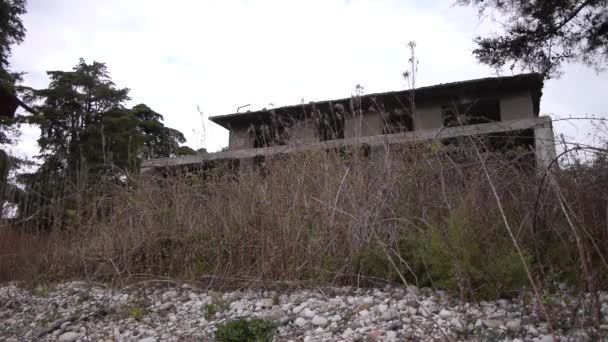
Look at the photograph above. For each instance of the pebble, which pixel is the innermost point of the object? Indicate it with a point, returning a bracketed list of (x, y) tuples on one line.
[(148, 339), (176, 313), (300, 322), (546, 338), (492, 323), (69, 336), (514, 325), (445, 313), (320, 321)]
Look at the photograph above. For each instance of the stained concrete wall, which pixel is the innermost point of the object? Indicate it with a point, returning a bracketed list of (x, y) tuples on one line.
[(516, 106), (364, 125), (239, 138), (543, 133), (304, 131), (544, 144), (428, 116)]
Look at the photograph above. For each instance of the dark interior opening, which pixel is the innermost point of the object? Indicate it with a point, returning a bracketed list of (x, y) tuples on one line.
[(269, 134), (476, 112), (330, 121), (397, 120)]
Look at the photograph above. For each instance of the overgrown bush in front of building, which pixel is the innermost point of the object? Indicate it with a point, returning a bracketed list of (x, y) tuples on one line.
[(426, 215)]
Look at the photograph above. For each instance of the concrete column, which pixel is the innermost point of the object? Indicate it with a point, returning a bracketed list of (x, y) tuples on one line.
[(544, 145), (240, 139)]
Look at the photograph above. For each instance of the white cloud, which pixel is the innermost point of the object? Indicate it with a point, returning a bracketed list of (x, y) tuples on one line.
[(224, 54)]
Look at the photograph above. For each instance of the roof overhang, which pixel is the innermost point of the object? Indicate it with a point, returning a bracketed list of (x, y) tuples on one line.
[(525, 82)]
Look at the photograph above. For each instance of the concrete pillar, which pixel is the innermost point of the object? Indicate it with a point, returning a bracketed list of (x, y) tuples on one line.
[(240, 139), (544, 145)]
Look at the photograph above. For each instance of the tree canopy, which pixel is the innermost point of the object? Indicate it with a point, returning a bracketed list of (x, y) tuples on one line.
[(84, 123), (12, 32), (541, 35), (88, 134)]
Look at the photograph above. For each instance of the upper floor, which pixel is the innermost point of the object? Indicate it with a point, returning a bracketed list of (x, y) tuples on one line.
[(429, 108)]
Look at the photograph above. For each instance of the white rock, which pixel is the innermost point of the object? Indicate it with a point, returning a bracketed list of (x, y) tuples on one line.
[(300, 322), (319, 321), (68, 337), (492, 323), (457, 325), (391, 335), (148, 339), (546, 338), (266, 303), (389, 315), (514, 325), (298, 308), (165, 306), (532, 330), (237, 306), (445, 313), (169, 295), (308, 313)]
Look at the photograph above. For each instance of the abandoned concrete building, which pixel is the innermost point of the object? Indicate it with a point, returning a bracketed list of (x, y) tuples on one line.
[(489, 106)]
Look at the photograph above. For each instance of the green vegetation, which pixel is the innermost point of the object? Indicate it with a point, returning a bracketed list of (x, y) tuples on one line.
[(246, 330), (210, 311), (541, 35), (136, 313), (395, 226)]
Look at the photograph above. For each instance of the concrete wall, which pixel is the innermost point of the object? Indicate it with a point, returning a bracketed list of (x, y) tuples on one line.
[(364, 125), (516, 106), (543, 133), (428, 116), (544, 145), (239, 138), (304, 131)]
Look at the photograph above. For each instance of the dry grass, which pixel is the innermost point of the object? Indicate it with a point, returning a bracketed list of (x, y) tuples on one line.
[(426, 212)]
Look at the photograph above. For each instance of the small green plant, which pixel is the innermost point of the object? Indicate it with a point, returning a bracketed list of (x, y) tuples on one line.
[(136, 313), (210, 311), (42, 291), (246, 330)]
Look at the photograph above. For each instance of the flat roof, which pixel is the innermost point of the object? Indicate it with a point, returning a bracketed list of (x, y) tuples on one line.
[(532, 82)]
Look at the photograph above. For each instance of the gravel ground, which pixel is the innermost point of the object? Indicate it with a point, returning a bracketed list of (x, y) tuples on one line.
[(78, 311)]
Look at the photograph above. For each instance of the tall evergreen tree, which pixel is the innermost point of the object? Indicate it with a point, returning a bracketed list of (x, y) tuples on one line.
[(12, 32), (87, 134), (540, 35)]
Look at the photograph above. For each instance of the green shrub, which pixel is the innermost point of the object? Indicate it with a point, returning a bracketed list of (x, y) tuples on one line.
[(210, 311), (466, 255), (136, 313), (246, 330)]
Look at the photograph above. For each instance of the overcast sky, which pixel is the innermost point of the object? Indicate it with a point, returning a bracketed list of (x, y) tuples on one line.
[(178, 55)]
